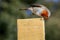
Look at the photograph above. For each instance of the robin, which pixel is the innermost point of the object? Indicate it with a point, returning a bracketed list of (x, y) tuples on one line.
[(39, 10)]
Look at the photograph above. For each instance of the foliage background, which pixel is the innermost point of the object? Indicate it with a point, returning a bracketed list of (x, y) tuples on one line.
[(9, 13)]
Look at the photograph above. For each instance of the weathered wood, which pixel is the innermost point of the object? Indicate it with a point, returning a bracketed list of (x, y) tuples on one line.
[(31, 29)]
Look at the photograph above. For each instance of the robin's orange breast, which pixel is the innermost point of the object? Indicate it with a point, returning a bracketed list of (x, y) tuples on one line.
[(44, 13)]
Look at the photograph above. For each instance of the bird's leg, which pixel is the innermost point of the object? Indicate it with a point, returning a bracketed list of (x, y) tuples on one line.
[(41, 17)]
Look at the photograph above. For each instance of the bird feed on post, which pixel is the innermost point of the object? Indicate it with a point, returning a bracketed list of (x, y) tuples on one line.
[(31, 29)]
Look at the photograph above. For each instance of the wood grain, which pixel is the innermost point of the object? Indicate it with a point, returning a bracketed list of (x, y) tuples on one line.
[(31, 29)]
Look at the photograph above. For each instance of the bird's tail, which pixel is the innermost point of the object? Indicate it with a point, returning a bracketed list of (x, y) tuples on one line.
[(23, 9)]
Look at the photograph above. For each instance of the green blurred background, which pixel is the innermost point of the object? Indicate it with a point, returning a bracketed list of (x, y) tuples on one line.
[(9, 13)]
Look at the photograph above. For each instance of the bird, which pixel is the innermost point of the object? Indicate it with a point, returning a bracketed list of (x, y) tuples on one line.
[(39, 10)]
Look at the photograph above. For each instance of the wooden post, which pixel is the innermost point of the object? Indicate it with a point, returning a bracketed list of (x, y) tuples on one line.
[(31, 29)]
